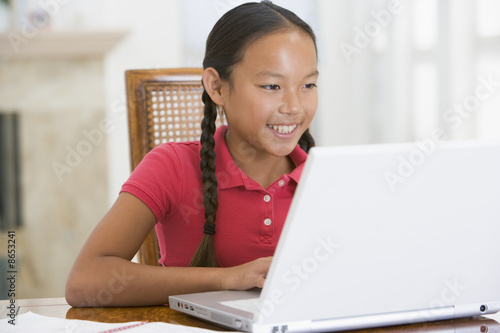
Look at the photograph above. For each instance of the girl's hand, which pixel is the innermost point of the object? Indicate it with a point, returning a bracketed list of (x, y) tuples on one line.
[(249, 275)]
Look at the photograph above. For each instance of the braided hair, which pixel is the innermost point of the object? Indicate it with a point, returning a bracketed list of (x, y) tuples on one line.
[(226, 44)]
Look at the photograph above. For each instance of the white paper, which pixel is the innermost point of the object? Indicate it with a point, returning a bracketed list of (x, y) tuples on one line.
[(31, 322)]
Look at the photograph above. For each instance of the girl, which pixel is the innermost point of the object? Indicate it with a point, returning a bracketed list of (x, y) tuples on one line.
[(260, 69)]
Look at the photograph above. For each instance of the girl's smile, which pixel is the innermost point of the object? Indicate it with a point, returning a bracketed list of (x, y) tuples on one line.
[(283, 129)]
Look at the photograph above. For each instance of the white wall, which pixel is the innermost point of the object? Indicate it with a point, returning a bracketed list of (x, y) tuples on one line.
[(403, 73)]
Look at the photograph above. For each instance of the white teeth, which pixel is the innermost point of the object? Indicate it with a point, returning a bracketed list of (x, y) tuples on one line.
[(283, 129)]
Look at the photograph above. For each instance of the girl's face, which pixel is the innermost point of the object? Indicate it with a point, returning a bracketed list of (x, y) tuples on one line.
[(273, 95)]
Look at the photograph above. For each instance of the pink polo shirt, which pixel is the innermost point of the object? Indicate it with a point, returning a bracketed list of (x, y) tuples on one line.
[(249, 217)]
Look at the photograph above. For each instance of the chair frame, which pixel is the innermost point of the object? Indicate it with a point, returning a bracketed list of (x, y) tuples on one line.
[(140, 144)]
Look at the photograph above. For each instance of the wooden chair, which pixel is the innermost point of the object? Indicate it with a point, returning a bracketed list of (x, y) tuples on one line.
[(164, 105)]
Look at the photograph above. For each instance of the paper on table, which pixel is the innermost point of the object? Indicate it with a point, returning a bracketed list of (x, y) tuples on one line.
[(32, 322)]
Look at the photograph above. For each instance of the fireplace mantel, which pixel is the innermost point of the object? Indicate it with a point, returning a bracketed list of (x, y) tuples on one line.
[(58, 45)]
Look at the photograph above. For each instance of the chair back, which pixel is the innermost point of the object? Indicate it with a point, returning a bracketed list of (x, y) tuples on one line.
[(164, 105)]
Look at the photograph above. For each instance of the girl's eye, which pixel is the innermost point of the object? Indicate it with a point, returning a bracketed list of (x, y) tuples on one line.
[(271, 87), (310, 85)]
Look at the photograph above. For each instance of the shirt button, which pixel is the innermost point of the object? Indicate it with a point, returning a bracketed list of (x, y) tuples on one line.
[(267, 222), (267, 198), (281, 182)]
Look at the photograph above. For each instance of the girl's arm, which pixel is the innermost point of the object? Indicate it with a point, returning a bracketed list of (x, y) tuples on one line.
[(103, 274)]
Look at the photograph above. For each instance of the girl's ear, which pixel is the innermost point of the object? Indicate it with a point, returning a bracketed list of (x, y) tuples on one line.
[(213, 85)]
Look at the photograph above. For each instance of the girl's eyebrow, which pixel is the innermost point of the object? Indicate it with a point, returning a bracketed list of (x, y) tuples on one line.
[(269, 74), (315, 73)]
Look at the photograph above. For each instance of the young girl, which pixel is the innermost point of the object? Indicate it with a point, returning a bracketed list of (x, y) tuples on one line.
[(218, 204)]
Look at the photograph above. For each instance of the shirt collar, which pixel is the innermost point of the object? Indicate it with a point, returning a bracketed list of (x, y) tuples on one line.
[(230, 175)]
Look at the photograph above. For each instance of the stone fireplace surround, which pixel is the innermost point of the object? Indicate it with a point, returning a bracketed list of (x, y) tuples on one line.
[(55, 83)]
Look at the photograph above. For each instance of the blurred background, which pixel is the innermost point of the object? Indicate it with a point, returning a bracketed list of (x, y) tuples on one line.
[(391, 71)]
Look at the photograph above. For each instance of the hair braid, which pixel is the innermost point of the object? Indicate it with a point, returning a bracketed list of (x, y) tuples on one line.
[(205, 254), (306, 141)]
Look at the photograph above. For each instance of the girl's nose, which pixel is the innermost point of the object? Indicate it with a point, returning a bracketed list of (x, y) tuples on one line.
[(291, 103)]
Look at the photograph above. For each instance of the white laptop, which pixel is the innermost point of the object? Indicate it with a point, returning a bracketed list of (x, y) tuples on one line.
[(377, 235)]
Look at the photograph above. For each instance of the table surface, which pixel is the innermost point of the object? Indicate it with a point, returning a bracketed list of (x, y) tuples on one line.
[(59, 308)]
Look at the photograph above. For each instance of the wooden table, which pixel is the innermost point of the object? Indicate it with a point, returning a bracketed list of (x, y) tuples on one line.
[(59, 308)]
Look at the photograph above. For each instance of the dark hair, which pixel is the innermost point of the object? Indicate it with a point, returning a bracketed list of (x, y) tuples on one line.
[(225, 47)]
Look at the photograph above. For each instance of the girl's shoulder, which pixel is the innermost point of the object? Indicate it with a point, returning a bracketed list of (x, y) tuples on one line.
[(181, 150), (172, 156)]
